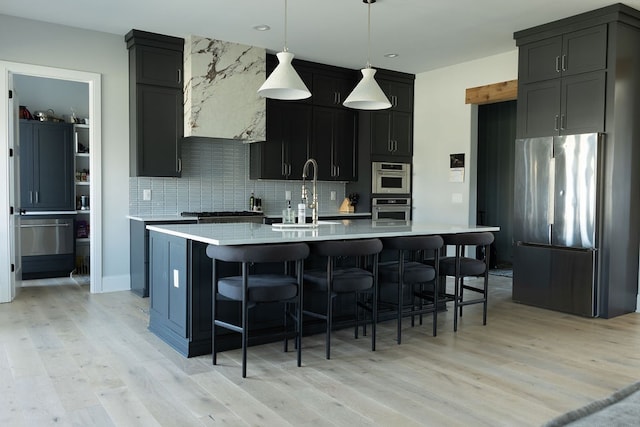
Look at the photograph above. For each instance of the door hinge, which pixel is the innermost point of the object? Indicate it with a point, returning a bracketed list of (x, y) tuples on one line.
[(10, 210), (13, 268), (10, 152), (10, 94)]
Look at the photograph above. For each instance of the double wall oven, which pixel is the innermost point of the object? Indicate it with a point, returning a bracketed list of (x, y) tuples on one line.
[(391, 191)]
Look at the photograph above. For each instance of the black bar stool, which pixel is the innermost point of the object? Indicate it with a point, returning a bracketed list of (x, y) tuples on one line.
[(334, 280), (253, 289), (410, 270), (461, 266)]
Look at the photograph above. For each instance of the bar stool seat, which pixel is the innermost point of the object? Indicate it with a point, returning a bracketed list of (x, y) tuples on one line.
[(344, 280), (412, 270), (252, 289)]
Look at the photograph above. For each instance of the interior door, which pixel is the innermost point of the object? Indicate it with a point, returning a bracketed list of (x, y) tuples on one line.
[(14, 190)]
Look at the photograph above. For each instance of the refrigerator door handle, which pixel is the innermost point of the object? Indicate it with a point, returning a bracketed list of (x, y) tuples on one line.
[(551, 193)]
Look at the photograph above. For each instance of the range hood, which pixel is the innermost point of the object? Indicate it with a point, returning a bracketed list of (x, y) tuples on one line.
[(221, 98)]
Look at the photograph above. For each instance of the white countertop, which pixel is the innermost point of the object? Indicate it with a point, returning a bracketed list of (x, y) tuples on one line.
[(249, 233)]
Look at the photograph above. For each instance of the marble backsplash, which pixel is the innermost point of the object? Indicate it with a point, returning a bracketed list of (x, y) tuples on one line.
[(220, 91), (215, 177)]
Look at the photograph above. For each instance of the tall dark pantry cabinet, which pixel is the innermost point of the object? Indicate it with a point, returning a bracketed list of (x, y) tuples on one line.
[(582, 75)]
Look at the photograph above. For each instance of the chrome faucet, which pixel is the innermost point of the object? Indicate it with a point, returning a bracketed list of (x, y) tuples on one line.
[(305, 193)]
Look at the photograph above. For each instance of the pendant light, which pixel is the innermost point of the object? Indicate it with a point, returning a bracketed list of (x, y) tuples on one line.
[(367, 95), (284, 83)]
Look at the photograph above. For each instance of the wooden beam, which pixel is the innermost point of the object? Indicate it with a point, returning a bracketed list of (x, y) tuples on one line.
[(497, 92)]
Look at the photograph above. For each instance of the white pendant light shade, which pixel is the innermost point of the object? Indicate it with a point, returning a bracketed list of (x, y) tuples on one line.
[(284, 83), (367, 95)]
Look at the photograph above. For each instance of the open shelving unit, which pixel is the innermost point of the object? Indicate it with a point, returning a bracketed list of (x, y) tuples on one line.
[(83, 197)]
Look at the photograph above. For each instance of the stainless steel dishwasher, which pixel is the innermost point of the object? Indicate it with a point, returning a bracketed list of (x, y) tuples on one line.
[(46, 236)]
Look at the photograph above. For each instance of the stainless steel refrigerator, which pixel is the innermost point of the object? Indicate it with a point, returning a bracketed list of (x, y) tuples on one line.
[(556, 222)]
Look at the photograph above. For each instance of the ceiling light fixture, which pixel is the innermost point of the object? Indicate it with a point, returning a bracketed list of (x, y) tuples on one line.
[(262, 27), (367, 95), (391, 55), (284, 82)]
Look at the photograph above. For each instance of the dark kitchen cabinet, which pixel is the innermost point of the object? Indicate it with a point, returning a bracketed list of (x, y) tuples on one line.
[(330, 89), (564, 106), (168, 280), (596, 88), (283, 154), (155, 104), (391, 135), (320, 128), (334, 143), (573, 53), (46, 166), (139, 253), (400, 94)]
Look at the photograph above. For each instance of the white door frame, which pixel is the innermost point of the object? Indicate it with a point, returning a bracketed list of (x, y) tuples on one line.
[(94, 80)]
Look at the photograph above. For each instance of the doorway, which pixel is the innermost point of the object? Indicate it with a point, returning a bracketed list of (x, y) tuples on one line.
[(7, 263), (496, 136)]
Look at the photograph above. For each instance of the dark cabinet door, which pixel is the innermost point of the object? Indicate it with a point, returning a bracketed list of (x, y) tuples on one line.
[(391, 134), (583, 103), (157, 132), (46, 166), (400, 94), (331, 89), (333, 147), (168, 281), (574, 104), (283, 154), (157, 66), (27, 171), (573, 53), (538, 109)]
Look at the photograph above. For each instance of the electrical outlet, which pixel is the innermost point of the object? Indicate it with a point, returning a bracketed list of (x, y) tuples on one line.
[(176, 278), (333, 195), (146, 194), (287, 195)]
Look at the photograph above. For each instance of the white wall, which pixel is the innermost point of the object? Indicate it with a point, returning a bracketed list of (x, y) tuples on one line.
[(443, 125), (33, 42)]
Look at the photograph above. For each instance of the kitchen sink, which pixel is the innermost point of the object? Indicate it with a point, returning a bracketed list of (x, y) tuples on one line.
[(307, 225)]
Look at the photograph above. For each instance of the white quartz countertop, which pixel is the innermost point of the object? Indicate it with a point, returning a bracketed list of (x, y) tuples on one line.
[(249, 233), (178, 217)]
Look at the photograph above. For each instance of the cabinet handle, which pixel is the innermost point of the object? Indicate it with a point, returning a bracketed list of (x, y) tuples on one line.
[(283, 169), (390, 146), (179, 75), (339, 97), (180, 165), (337, 171), (31, 197), (562, 120), (394, 100), (557, 64), (555, 124), (564, 62), (37, 197)]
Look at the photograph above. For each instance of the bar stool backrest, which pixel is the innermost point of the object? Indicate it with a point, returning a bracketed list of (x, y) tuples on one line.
[(259, 253), (335, 248)]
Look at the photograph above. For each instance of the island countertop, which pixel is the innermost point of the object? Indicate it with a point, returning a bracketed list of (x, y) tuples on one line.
[(248, 233)]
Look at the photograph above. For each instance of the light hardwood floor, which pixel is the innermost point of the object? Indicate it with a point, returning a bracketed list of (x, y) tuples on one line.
[(71, 358)]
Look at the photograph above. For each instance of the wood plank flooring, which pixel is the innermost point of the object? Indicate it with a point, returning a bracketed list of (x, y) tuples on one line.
[(75, 359)]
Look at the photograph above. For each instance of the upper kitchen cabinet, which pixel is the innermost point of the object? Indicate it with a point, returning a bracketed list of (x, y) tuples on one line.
[(576, 52), (221, 98), (283, 154), (563, 75), (391, 137), (331, 88), (334, 143), (318, 127), (155, 104), (400, 93), (46, 166)]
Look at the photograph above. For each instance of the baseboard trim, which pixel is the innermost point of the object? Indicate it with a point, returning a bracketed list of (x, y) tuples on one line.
[(115, 283)]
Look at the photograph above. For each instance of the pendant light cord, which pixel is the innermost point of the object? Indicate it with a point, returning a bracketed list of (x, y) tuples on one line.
[(285, 26), (368, 33)]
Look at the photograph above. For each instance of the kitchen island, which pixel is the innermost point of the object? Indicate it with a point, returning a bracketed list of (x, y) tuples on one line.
[(180, 272)]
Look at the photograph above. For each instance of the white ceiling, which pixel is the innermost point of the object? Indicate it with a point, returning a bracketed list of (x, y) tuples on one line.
[(427, 34)]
